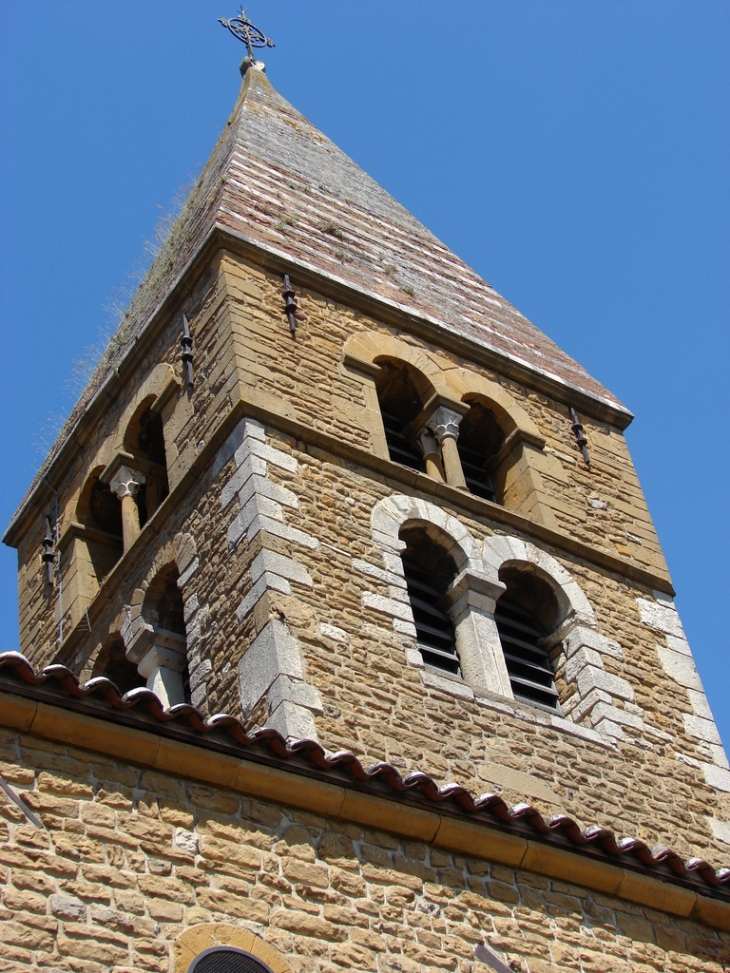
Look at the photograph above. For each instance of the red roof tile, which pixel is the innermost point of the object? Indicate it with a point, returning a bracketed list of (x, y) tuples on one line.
[(141, 709)]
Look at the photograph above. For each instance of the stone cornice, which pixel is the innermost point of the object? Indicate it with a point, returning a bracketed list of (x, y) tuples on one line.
[(174, 750)]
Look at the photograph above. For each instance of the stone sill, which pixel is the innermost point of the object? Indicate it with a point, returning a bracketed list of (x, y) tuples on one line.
[(518, 709)]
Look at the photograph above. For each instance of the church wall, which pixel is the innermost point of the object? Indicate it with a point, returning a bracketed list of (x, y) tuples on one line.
[(129, 858)]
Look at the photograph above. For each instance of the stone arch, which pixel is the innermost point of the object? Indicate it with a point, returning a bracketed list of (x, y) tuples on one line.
[(463, 384), (112, 663), (177, 557), (589, 695), (161, 381), (391, 514), (371, 345), (504, 550), (207, 935), (468, 601)]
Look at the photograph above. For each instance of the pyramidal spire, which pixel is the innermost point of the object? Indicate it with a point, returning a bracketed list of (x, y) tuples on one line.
[(285, 187), (279, 186)]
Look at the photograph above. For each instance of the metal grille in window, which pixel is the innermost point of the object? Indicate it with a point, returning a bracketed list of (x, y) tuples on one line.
[(480, 440), (477, 478), (227, 959), (399, 447), (434, 629), (528, 663)]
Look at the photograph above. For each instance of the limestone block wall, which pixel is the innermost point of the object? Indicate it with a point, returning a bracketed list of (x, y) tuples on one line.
[(131, 867)]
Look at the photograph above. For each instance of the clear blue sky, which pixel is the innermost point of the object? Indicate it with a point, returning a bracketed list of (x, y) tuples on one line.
[(575, 154)]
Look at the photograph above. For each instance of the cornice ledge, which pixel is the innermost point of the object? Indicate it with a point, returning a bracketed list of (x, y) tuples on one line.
[(266, 780)]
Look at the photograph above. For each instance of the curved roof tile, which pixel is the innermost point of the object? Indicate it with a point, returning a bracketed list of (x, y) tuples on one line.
[(145, 712)]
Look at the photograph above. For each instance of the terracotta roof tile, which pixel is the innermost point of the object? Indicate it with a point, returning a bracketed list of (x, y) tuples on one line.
[(140, 708)]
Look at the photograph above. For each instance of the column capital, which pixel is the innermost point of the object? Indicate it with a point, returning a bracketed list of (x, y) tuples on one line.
[(444, 423), (126, 482)]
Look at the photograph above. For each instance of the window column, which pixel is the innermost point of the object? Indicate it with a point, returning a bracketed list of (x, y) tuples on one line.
[(444, 424), (431, 454), (126, 483), (470, 603)]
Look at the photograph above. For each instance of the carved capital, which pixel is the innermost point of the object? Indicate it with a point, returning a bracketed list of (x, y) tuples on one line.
[(126, 482), (444, 423), (427, 444)]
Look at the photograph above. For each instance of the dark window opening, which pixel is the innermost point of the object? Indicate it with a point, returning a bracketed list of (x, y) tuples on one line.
[(113, 663), (151, 441), (227, 959), (164, 610), (400, 403), (100, 509), (525, 614), (105, 509), (146, 441), (429, 571), (480, 440)]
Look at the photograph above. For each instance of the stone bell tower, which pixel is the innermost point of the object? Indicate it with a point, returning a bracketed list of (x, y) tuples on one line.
[(327, 480)]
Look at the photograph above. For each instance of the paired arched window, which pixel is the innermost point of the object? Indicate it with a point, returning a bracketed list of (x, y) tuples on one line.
[(417, 424), (525, 615)]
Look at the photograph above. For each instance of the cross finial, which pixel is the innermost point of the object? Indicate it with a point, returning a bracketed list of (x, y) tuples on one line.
[(242, 28)]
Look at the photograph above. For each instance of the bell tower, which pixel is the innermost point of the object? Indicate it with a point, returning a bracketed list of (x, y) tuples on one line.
[(327, 481)]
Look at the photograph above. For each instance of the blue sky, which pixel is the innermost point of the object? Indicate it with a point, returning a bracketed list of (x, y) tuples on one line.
[(575, 154)]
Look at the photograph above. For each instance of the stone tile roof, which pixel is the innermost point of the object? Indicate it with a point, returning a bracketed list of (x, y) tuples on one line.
[(141, 709), (291, 189), (276, 181)]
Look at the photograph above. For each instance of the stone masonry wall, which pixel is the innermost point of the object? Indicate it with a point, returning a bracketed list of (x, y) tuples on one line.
[(253, 518), (303, 378), (127, 859), (646, 781), (185, 433), (284, 555)]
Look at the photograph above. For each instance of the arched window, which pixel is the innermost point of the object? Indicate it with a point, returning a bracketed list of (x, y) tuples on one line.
[(227, 959), (100, 510), (480, 440), (526, 614), (164, 662), (145, 440), (112, 663), (429, 572), (400, 402)]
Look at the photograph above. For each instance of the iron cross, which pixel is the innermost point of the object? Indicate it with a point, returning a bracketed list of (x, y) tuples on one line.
[(242, 28)]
